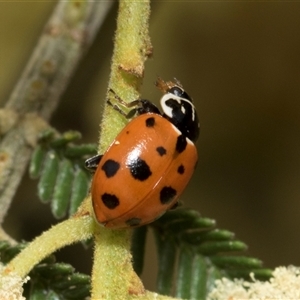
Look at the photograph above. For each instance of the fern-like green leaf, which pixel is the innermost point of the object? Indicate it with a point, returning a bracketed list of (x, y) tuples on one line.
[(50, 280), (193, 253), (59, 165)]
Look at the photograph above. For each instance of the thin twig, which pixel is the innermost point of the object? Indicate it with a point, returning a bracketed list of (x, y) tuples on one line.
[(58, 236), (67, 35)]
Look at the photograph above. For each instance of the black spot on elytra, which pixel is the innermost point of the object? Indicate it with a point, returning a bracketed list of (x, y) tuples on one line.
[(110, 201), (161, 150), (181, 143), (150, 122), (180, 169), (167, 194), (110, 167), (139, 169), (133, 222)]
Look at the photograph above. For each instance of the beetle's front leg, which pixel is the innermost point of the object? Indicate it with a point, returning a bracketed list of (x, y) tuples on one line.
[(92, 163)]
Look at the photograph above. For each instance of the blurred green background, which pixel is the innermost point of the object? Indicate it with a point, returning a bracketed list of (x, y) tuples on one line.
[(240, 63)]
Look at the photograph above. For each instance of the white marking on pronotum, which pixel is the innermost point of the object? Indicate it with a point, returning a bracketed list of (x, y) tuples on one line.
[(183, 109), (168, 110)]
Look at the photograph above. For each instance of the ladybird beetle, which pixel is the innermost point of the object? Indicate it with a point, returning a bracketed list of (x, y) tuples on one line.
[(150, 162)]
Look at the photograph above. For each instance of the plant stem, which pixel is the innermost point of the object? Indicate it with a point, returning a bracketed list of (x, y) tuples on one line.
[(132, 48), (113, 276)]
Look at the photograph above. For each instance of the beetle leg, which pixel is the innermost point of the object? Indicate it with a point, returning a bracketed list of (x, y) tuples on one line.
[(128, 115), (141, 106), (145, 106), (92, 163), (174, 206), (122, 102)]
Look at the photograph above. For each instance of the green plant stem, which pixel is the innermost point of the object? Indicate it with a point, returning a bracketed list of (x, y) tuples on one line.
[(63, 234), (113, 276), (132, 48)]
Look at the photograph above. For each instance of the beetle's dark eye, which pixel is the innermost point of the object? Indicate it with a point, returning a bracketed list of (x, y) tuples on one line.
[(175, 90)]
